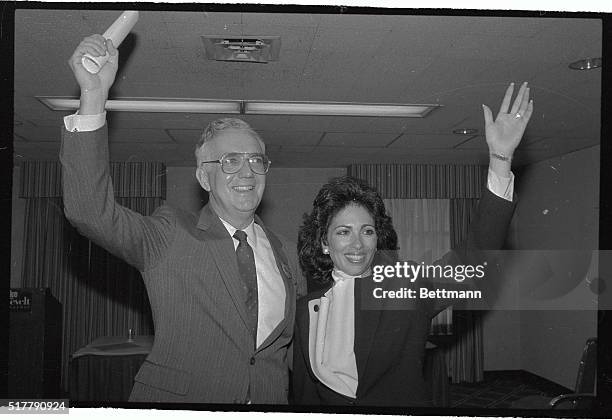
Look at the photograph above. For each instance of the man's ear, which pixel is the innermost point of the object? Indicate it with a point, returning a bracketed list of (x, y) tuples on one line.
[(202, 177)]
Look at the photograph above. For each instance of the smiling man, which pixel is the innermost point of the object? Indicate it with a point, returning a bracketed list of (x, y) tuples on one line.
[(222, 287), (236, 190)]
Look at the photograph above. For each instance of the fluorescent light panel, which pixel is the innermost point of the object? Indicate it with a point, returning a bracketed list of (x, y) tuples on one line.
[(149, 105), (250, 107), (337, 109)]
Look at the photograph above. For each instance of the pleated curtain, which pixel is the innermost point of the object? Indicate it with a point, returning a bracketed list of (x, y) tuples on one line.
[(427, 187), (423, 230), (100, 294), (466, 356)]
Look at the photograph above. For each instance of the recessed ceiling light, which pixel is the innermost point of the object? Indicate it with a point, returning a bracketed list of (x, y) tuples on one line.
[(249, 107), (465, 131), (347, 109), (586, 64), (149, 105)]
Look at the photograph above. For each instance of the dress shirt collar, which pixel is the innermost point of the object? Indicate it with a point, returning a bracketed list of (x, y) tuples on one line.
[(249, 230)]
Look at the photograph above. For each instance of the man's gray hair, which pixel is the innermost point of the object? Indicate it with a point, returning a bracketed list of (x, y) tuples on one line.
[(217, 126)]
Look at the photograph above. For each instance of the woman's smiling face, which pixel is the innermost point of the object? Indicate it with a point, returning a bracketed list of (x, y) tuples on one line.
[(352, 239)]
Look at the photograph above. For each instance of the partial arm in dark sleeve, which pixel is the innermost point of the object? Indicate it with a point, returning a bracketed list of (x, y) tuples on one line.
[(303, 389), (487, 233), (90, 205)]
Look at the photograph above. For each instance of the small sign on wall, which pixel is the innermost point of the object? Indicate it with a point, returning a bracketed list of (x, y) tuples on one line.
[(20, 301)]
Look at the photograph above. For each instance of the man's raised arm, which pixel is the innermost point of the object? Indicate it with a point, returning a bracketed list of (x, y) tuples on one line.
[(89, 202)]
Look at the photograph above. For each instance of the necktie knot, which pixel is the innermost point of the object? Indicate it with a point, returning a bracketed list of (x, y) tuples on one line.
[(241, 236)]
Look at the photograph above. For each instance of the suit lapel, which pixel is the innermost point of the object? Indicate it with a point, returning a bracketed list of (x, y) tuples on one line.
[(366, 325), (224, 255), (303, 320), (367, 321)]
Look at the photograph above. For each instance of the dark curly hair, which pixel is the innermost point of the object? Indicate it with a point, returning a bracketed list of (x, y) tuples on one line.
[(334, 196)]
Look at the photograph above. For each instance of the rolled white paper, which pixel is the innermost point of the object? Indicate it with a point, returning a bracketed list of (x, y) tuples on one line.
[(116, 33)]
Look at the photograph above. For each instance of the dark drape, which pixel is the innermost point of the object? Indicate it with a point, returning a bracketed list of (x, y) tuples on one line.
[(100, 294), (462, 184)]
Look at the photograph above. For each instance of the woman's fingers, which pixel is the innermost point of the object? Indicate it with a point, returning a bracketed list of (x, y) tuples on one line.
[(520, 97), (503, 109), (524, 102), (488, 115), (528, 111)]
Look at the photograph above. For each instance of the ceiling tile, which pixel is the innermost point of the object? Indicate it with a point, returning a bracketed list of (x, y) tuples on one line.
[(563, 145), (263, 20), (428, 141), (137, 135), (288, 122), (278, 138), (499, 27), (162, 121), (39, 134), (45, 122), (354, 140), (291, 138), (184, 136), (477, 142), (372, 124), (193, 17)]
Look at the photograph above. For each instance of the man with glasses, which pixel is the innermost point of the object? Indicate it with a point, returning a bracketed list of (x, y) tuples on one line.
[(222, 287)]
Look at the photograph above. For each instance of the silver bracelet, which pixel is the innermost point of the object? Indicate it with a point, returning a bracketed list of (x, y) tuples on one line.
[(501, 157)]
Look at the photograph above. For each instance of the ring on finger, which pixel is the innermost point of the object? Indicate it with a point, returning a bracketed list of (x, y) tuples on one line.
[(517, 115)]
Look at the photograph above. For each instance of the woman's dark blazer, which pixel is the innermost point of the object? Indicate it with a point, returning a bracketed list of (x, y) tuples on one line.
[(390, 344)]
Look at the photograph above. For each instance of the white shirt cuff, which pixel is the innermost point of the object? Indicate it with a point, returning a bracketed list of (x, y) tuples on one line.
[(76, 122), (501, 186)]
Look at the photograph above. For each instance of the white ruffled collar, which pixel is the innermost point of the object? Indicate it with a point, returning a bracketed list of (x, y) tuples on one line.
[(339, 275)]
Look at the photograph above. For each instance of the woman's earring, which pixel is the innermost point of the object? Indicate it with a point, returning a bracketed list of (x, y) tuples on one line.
[(325, 251)]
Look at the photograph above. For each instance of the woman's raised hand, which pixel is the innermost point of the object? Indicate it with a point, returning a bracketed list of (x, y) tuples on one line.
[(504, 133)]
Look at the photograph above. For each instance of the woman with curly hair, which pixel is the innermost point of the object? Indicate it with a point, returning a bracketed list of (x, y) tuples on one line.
[(348, 351)]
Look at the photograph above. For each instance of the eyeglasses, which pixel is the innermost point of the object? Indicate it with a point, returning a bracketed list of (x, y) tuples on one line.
[(233, 162)]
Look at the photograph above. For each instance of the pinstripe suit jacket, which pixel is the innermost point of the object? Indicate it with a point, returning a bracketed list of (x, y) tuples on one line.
[(203, 351)]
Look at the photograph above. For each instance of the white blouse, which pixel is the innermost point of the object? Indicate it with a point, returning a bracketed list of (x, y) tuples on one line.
[(332, 335)]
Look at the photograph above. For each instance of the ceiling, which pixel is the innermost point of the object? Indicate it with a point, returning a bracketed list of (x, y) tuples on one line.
[(458, 62)]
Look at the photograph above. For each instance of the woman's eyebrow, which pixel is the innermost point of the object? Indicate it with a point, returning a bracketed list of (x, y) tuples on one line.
[(350, 226)]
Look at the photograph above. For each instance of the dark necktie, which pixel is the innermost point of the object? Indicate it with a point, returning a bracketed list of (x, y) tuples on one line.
[(246, 266)]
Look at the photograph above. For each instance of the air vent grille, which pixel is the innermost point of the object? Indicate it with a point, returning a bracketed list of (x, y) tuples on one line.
[(252, 49)]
